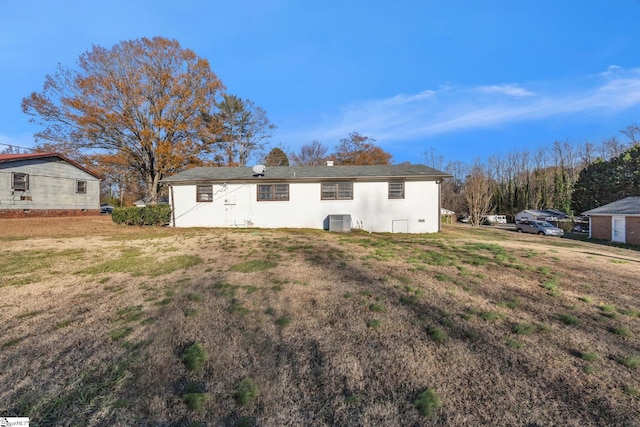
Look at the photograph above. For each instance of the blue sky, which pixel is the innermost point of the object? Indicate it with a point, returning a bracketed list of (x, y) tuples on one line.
[(465, 79)]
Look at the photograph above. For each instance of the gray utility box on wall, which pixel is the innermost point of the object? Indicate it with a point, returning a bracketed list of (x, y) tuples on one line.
[(340, 223)]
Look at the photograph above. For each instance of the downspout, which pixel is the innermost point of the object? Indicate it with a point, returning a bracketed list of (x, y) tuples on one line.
[(439, 206), (173, 207)]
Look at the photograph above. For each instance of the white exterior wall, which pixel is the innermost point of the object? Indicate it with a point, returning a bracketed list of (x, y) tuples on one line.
[(370, 209), (52, 185)]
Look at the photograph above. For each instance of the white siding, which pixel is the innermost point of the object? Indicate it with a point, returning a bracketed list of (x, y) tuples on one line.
[(370, 209), (52, 185)]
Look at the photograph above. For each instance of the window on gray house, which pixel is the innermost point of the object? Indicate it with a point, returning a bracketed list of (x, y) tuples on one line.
[(396, 189), (204, 193), (19, 181), (336, 191), (273, 192), (81, 187)]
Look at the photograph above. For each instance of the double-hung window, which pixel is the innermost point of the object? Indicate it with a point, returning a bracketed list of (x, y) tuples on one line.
[(396, 189), (273, 192), (19, 181), (336, 191), (81, 187), (204, 193)]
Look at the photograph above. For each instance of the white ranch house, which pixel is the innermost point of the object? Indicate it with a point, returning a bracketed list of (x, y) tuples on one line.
[(46, 184), (383, 198)]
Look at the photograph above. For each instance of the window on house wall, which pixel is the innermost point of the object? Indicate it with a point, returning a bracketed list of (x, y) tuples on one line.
[(396, 189), (19, 181), (81, 187), (204, 193), (273, 192), (336, 191)]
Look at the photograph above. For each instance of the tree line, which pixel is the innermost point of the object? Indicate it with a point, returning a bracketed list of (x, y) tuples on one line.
[(569, 177)]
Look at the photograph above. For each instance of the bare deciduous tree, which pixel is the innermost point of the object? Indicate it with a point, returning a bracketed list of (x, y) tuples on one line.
[(478, 193), (312, 154)]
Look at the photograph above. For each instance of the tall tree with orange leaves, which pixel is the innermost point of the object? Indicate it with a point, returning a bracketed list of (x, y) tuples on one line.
[(360, 150), (148, 102)]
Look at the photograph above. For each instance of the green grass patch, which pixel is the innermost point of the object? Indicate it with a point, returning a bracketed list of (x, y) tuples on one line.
[(550, 285), (608, 310), (589, 369), (409, 299), (29, 314), (195, 356), (630, 390), (622, 331), (133, 262), (253, 266), (246, 392), (427, 403), (588, 300), (589, 356), (524, 329), (195, 401), (12, 341), (437, 335), (352, 400), (510, 303), (191, 312), (631, 362), (63, 324), (283, 320), (378, 308), (195, 297), (568, 319), (374, 324), (443, 277), (130, 314), (120, 333), (489, 316), (515, 344)]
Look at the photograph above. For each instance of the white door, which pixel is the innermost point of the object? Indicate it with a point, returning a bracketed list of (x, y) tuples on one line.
[(617, 229)]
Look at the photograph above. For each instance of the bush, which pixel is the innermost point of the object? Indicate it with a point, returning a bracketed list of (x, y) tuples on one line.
[(246, 392), (148, 215), (427, 403), (195, 356)]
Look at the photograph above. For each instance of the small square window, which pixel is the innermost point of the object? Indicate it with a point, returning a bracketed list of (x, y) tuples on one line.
[(204, 193), (19, 181), (81, 187)]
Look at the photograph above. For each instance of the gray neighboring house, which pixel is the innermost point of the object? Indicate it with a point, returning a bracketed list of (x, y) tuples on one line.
[(550, 215), (46, 184), (618, 221)]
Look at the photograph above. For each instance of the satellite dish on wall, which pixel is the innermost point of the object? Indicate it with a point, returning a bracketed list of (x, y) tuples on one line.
[(258, 170)]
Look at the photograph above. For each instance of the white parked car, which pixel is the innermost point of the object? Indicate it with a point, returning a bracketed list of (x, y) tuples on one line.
[(539, 227)]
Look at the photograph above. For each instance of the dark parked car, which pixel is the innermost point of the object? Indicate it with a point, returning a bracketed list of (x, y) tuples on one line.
[(539, 227)]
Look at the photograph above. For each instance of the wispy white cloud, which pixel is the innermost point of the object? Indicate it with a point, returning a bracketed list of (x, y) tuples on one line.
[(450, 109), (506, 89)]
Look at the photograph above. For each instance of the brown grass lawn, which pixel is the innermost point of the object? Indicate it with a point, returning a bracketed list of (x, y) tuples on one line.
[(330, 329)]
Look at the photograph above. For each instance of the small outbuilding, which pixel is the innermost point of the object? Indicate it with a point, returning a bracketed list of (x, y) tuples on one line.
[(618, 221)]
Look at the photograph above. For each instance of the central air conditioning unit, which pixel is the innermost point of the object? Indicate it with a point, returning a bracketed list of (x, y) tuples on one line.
[(340, 223)]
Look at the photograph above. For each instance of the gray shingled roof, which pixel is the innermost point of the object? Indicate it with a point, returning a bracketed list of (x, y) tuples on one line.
[(627, 206), (305, 173)]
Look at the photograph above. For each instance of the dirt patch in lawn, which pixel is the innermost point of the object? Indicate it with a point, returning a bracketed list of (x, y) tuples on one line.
[(304, 327)]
